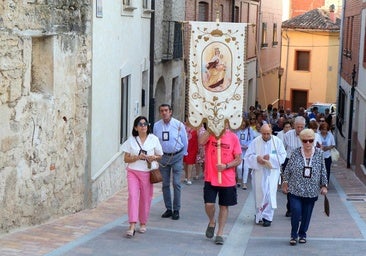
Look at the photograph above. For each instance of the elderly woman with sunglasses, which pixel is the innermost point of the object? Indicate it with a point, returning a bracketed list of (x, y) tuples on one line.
[(142, 150), (304, 177)]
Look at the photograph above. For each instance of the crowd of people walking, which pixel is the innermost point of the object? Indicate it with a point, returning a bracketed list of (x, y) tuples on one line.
[(273, 147)]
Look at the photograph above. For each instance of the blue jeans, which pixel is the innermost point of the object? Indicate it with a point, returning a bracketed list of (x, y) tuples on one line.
[(301, 209), (169, 164)]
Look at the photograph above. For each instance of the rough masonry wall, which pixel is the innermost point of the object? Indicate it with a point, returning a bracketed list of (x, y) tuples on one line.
[(43, 127)]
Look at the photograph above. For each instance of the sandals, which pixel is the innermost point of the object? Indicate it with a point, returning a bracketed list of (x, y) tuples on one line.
[(142, 229), (130, 233), (293, 241), (302, 240)]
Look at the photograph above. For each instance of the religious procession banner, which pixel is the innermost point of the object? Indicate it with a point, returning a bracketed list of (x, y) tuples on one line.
[(216, 75)]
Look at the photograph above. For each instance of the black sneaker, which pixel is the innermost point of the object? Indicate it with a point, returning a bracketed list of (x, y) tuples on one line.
[(175, 215), (167, 214), (266, 223)]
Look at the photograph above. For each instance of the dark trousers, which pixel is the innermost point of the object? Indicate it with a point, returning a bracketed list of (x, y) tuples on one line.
[(328, 163), (301, 209), (288, 200)]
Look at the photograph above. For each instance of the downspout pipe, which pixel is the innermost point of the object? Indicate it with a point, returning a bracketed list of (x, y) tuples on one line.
[(151, 77), (350, 117), (339, 121), (287, 59), (233, 11)]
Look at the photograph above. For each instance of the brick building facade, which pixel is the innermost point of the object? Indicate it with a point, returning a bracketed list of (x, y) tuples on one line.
[(351, 121)]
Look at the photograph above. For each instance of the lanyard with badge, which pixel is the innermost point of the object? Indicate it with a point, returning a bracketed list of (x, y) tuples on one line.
[(242, 135), (165, 134), (308, 169)]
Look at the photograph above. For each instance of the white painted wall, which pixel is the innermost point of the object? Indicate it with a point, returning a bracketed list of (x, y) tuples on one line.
[(120, 48)]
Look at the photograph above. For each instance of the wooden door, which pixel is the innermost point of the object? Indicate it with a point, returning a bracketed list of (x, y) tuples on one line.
[(299, 98)]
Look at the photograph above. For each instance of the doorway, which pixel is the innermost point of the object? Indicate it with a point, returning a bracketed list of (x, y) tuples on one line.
[(299, 98)]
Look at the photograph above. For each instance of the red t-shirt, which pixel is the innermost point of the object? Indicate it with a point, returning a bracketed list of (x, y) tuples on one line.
[(230, 146)]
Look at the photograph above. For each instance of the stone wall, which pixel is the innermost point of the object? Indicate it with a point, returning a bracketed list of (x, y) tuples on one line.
[(45, 75)]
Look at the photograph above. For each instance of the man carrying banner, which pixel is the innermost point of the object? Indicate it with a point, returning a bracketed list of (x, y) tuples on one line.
[(265, 155), (229, 146), (216, 96)]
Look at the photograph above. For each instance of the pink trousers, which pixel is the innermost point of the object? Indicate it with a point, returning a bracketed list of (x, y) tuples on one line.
[(140, 192)]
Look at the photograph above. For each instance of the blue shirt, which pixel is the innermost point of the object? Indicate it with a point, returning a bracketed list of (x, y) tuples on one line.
[(172, 136), (245, 137)]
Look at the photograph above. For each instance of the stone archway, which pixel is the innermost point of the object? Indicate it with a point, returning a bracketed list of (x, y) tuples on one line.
[(160, 96)]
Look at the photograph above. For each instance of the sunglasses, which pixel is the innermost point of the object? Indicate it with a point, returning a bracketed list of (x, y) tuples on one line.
[(142, 124), (306, 141), (321, 120)]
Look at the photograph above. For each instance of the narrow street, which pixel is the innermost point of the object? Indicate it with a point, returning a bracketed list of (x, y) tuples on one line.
[(100, 231)]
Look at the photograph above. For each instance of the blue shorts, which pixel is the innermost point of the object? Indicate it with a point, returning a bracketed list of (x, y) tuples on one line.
[(227, 195)]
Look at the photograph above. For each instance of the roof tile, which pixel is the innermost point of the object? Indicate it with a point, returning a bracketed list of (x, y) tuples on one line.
[(317, 19)]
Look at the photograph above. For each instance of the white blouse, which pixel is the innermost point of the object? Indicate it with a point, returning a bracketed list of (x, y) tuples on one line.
[(151, 145)]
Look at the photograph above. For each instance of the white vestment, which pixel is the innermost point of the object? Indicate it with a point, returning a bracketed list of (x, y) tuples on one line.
[(265, 177)]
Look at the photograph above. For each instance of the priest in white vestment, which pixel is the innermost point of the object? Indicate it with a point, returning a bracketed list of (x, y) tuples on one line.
[(264, 156)]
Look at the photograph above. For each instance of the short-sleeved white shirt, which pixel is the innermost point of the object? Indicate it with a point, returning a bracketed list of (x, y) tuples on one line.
[(327, 141), (151, 145)]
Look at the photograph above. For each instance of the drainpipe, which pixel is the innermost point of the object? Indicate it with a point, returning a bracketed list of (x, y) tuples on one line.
[(287, 57), (233, 11), (151, 78), (339, 121), (350, 118)]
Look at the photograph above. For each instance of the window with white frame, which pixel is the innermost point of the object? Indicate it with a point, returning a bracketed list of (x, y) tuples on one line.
[(128, 7), (145, 4), (125, 90), (126, 2)]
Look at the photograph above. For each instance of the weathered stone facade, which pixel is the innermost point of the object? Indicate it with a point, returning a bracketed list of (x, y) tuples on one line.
[(45, 60)]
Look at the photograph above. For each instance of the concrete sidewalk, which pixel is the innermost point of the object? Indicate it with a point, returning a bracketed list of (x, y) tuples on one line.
[(100, 231)]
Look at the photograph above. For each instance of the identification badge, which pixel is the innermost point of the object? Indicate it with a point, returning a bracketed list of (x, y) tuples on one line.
[(242, 136), (307, 172), (165, 136)]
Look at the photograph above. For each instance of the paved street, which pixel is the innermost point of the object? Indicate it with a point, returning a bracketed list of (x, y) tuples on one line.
[(100, 231)]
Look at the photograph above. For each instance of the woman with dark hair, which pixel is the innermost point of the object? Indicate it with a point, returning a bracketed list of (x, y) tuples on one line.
[(142, 150)]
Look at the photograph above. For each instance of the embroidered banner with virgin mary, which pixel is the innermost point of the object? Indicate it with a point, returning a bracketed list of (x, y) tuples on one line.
[(216, 75)]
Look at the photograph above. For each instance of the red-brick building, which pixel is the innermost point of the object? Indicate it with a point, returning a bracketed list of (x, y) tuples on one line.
[(263, 44), (351, 118)]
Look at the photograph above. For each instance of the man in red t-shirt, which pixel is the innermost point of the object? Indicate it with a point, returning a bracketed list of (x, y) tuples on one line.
[(226, 190)]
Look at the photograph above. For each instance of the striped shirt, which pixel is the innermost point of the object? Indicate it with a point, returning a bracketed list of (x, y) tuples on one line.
[(291, 141)]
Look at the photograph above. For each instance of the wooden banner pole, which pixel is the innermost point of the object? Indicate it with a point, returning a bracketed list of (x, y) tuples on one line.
[(219, 177)]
